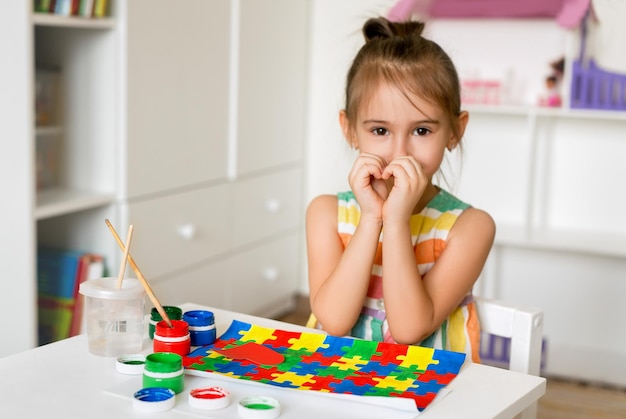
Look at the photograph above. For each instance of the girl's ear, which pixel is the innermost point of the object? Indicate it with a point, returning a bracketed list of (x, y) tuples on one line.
[(348, 133), (461, 124)]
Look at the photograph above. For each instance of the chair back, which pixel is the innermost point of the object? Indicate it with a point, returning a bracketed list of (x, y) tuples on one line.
[(524, 326)]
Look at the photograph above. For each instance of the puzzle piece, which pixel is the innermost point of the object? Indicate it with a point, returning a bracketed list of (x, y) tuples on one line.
[(238, 369), (394, 383), (389, 353), (354, 363), (310, 341), (364, 379), (411, 373), (294, 379), (319, 358), (419, 357), (281, 339), (321, 384), (431, 375), (363, 348), (258, 334), (447, 361)]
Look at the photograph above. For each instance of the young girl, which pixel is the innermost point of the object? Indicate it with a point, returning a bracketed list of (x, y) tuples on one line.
[(395, 258)]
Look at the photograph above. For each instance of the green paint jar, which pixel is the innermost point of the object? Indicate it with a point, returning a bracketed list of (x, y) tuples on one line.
[(173, 312), (164, 369)]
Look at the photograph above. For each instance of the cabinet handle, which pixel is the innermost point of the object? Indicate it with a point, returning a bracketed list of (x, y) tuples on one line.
[(273, 205), (187, 231), (270, 274)]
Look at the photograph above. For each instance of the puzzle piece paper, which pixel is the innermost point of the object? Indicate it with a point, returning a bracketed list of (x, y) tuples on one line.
[(330, 364)]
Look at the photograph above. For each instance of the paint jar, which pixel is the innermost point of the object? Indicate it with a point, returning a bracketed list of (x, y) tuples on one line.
[(174, 313), (201, 327), (172, 339), (114, 317), (164, 369)]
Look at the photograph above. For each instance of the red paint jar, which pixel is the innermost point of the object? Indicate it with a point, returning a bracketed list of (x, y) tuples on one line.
[(174, 339)]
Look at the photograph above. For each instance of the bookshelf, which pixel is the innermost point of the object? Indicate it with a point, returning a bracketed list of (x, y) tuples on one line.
[(153, 130), (66, 212)]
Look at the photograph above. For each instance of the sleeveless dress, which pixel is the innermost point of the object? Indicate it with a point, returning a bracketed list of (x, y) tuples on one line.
[(460, 332)]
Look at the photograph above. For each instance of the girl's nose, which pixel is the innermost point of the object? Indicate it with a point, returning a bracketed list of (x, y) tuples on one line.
[(401, 147)]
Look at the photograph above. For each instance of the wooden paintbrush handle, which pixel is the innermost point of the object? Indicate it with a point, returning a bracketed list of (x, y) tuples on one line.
[(140, 276)]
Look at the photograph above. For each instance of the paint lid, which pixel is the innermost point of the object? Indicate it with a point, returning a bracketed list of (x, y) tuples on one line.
[(258, 407), (106, 288), (209, 398), (130, 364), (163, 362), (199, 317), (154, 399)]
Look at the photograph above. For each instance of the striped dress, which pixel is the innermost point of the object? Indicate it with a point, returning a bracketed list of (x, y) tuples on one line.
[(460, 332)]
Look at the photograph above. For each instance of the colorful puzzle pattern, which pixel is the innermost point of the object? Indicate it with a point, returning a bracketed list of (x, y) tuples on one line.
[(333, 364)]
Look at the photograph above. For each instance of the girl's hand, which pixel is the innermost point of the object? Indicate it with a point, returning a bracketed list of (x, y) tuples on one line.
[(367, 184), (409, 183)]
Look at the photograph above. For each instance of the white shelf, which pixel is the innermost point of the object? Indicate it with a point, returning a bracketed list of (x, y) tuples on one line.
[(54, 202), (49, 19), (48, 130), (525, 110), (600, 244)]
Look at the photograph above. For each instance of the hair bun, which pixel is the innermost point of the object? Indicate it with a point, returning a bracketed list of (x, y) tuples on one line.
[(381, 28)]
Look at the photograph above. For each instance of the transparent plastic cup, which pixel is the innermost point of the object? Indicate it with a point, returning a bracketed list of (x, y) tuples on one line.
[(114, 318)]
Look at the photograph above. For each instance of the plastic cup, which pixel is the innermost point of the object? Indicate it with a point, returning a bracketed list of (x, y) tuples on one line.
[(114, 318)]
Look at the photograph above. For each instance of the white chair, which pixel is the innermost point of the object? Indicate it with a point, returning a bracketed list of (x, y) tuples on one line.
[(524, 326)]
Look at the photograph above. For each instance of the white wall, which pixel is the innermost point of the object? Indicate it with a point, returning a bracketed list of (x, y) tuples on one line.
[(335, 39)]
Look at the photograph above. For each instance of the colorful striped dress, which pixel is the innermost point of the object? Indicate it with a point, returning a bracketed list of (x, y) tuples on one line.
[(460, 332)]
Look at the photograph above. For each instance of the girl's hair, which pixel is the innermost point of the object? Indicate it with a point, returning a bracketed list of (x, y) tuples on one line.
[(396, 53)]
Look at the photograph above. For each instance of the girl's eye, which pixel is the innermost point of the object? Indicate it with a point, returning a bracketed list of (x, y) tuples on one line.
[(421, 131), (380, 131)]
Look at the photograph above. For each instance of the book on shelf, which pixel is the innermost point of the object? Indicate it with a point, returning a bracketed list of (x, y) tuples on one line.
[(48, 142), (83, 8), (59, 274), (47, 95)]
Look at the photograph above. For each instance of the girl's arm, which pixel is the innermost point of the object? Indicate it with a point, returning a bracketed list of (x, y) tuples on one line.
[(417, 306), (338, 277)]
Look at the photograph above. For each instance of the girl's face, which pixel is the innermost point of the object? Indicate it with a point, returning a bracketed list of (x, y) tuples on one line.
[(390, 126)]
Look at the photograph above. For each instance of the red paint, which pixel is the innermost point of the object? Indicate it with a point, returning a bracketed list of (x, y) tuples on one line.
[(208, 393), (253, 352), (172, 339)]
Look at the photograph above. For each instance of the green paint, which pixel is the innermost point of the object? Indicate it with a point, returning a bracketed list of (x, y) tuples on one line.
[(259, 406), (132, 362)]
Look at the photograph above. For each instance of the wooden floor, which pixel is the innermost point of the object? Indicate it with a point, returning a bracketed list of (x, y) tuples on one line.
[(563, 399)]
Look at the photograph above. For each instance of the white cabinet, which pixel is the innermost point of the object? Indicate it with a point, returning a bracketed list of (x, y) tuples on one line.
[(184, 118), (271, 63), (214, 138), (177, 93)]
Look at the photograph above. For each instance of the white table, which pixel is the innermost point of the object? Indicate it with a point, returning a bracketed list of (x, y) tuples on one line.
[(64, 380)]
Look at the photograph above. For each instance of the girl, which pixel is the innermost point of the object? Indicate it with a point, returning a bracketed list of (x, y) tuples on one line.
[(395, 258)]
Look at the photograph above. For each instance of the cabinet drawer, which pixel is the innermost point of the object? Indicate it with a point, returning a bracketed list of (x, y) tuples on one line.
[(267, 205), (181, 229), (263, 280), (205, 285)]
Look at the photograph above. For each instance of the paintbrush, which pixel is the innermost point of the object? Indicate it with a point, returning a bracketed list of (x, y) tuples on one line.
[(140, 276), (120, 276)]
